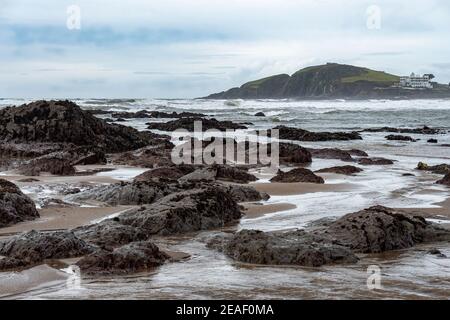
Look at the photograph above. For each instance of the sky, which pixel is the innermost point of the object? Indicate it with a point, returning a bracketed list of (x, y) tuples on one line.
[(191, 48)]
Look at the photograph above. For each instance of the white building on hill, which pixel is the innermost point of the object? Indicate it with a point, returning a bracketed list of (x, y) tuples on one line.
[(417, 81)]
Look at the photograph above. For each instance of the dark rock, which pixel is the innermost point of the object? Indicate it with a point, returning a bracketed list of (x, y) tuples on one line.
[(394, 137), (329, 153), (233, 174), (161, 174), (379, 229), (260, 114), (297, 175), (436, 252), (432, 141), (293, 154), (347, 170), (131, 115), (175, 115), (423, 130), (304, 135), (34, 247), (357, 153), (120, 120), (28, 180), (148, 157), (282, 248), (133, 257), (14, 205), (65, 122), (241, 193), (375, 162), (110, 233), (183, 212), (188, 124), (408, 175), (438, 169), (445, 181)]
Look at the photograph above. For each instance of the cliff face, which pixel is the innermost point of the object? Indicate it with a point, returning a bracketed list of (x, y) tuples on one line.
[(326, 81)]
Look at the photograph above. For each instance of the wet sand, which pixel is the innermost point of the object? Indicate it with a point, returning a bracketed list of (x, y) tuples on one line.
[(443, 209), (64, 218), (290, 189), (253, 211)]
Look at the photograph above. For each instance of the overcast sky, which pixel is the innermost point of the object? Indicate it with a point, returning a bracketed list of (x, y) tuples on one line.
[(190, 48)]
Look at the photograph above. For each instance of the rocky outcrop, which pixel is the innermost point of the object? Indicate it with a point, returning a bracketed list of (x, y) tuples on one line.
[(35, 247), (375, 162), (445, 181), (188, 124), (162, 174), (373, 230), (130, 258), (297, 175), (175, 115), (331, 153), (281, 248), (294, 154), (438, 169), (395, 137), (15, 207), (423, 130), (184, 212), (233, 174), (65, 122), (296, 134), (346, 170)]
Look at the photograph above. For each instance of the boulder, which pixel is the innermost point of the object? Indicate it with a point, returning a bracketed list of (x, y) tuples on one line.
[(233, 174), (288, 133), (175, 115), (260, 114), (297, 175), (394, 137), (293, 154), (130, 258), (34, 247), (65, 122), (432, 141), (282, 248), (188, 124), (423, 130), (346, 170), (15, 206), (445, 181), (187, 211), (331, 153), (375, 162), (437, 169)]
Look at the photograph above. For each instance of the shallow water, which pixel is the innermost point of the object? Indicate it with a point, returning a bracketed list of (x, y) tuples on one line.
[(412, 274)]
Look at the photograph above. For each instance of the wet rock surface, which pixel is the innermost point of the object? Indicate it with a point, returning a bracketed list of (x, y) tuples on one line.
[(288, 133), (130, 258), (188, 124), (445, 181), (297, 175), (346, 170), (375, 162), (35, 247), (65, 122), (373, 230), (394, 137), (423, 130), (15, 206), (331, 153), (438, 169)]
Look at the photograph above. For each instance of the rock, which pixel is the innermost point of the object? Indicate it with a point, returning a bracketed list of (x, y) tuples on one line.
[(347, 170), (131, 115), (445, 181), (187, 211), (148, 157), (15, 207), (34, 247), (432, 141), (260, 114), (408, 175), (188, 124), (293, 154), (28, 180), (438, 169), (379, 229), (131, 258), (282, 248), (55, 166), (110, 233), (233, 174), (329, 153), (297, 175), (161, 174), (65, 122), (175, 115), (436, 252), (423, 130), (373, 230), (304, 135), (241, 193), (120, 120), (126, 193), (201, 174), (393, 137), (357, 153), (375, 161)]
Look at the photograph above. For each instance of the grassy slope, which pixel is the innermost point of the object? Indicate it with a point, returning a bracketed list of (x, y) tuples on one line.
[(372, 76), (255, 84)]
